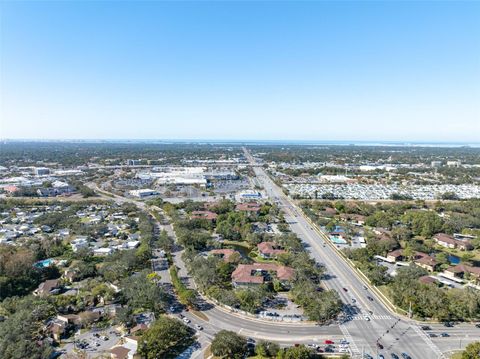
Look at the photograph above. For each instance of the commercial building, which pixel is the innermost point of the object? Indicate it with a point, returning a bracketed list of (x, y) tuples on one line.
[(142, 193)]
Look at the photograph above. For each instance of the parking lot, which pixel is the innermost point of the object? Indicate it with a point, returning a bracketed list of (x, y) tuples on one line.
[(93, 342)]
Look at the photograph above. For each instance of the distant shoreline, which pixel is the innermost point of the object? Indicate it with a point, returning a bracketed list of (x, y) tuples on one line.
[(258, 142)]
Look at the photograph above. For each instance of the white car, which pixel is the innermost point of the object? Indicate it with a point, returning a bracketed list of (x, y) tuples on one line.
[(313, 346), (343, 341), (366, 317), (343, 350), (186, 320)]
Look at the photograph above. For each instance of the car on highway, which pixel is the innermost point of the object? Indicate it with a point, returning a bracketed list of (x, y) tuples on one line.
[(379, 345), (367, 356), (394, 356), (432, 335), (425, 327), (328, 341), (445, 335), (448, 324), (406, 356), (477, 325), (366, 317), (186, 320), (198, 327), (345, 289), (365, 287), (370, 298), (354, 300)]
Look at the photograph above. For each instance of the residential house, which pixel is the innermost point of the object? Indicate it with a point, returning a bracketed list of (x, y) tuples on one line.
[(259, 273), (356, 219), (461, 271), (251, 207), (395, 256), (427, 262), (426, 279), (225, 253), (269, 250), (207, 215), (448, 241), (79, 243), (51, 286)]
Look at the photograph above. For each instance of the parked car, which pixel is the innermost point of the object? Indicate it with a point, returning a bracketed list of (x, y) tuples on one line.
[(379, 345), (406, 356), (186, 320), (198, 327), (394, 356)]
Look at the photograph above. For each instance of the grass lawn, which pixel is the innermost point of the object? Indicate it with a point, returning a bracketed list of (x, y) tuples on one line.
[(239, 244)]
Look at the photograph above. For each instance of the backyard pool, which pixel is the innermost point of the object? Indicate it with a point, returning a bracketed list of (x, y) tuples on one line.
[(45, 263)]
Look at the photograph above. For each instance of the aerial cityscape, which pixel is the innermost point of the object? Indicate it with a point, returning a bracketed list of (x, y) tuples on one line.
[(239, 179)]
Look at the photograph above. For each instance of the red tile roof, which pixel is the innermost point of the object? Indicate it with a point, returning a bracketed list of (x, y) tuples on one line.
[(270, 248), (463, 268), (245, 273), (211, 216), (226, 253), (120, 352), (249, 207)]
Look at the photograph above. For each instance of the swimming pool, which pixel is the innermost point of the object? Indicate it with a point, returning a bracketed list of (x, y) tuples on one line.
[(45, 263), (338, 240)]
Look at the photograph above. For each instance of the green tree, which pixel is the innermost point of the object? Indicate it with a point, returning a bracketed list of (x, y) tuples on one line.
[(227, 344), (472, 351), (166, 338), (267, 349), (300, 352)]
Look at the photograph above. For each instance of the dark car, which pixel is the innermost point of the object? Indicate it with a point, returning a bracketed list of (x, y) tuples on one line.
[(445, 335), (394, 356), (379, 345), (477, 325), (345, 289), (370, 298), (426, 327), (448, 324), (406, 356), (432, 335)]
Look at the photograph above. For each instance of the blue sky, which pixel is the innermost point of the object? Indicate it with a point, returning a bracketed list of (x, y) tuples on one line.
[(405, 71)]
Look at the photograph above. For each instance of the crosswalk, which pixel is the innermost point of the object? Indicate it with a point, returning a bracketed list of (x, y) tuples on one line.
[(372, 317), (429, 342), (348, 337)]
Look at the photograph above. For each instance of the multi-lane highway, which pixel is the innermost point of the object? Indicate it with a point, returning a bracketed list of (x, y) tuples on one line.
[(368, 321)]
